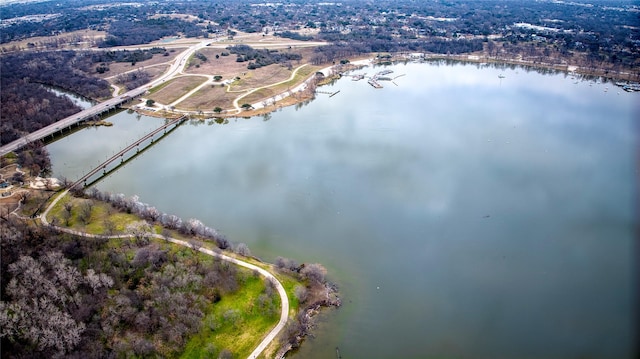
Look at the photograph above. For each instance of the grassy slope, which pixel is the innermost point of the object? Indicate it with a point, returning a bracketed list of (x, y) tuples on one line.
[(240, 337)]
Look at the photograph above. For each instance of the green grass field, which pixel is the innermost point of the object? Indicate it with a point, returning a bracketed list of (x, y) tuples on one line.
[(237, 323)]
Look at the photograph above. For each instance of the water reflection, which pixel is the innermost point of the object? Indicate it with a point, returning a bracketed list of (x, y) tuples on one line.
[(463, 215)]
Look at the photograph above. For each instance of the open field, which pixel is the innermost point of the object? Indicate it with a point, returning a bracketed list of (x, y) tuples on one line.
[(82, 39), (176, 88), (262, 77), (236, 321), (209, 98), (158, 63)]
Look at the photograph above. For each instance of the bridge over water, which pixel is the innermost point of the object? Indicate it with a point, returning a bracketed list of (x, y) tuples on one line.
[(138, 146), (81, 116)]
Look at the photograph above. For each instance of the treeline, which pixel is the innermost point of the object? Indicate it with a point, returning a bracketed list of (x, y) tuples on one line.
[(342, 50), (316, 293), (192, 227), (383, 42), (134, 32), (132, 80), (64, 296), (294, 36), (261, 57), (55, 68), (131, 22), (26, 105), (127, 55), (67, 21)]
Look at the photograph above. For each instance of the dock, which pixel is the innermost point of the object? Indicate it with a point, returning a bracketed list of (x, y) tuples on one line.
[(331, 94), (374, 83)]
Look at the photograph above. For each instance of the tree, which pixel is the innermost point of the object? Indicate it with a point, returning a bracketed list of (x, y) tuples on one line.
[(150, 103), (44, 293), (140, 231), (67, 213), (217, 109), (225, 354), (195, 245), (166, 235), (286, 264), (243, 250), (301, 293), (85, 211), (109, 226), (314, 272), (194, 227)]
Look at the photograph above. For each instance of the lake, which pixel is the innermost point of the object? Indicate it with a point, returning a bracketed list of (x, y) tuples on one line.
[(465, 211)]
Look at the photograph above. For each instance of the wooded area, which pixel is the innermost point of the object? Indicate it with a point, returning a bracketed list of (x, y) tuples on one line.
[(74, 297), (603, 32)]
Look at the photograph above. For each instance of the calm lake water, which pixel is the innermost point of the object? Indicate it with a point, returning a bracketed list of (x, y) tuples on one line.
[(462, 215)]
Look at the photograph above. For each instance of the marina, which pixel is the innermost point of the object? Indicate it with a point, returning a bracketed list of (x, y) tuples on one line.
[(629, 87)]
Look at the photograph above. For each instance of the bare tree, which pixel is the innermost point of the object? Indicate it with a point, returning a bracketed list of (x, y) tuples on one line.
[(67, 213), (166, 235), (314, 272), (243, 250), (301, 293), (109, 226), (195, 245), (140, 231), (85, 211), (225, 354), (286, 264)]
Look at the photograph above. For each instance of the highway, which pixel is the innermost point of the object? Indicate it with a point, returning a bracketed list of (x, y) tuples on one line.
[(176, 67)]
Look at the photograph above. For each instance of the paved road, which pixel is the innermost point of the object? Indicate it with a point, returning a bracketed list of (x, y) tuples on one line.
[(284, 310), (175, 68), (66, 122)]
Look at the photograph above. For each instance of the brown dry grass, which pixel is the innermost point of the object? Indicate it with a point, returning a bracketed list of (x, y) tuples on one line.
[(86, 38), (260, 95), (176, 88), (154, 66), (260, 77), (209, 98), (225, 66)]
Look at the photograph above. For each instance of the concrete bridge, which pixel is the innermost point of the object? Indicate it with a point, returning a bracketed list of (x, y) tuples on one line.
[(168, 127), (84, 115)]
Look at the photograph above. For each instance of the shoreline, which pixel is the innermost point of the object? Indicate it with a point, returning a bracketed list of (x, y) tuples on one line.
[(561, 67), (298, 94)]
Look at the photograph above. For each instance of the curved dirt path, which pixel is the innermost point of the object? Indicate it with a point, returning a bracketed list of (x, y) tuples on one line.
[(284, 310)]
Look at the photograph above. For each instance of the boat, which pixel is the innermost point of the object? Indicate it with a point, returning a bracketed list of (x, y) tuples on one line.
[(501, 76)]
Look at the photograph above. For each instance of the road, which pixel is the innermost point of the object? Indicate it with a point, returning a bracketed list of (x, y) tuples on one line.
[(175, 68), (71, 120), (284, 310), (178, 64)]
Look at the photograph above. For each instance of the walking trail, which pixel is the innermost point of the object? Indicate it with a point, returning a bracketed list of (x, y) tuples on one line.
[(284, 312)]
